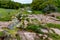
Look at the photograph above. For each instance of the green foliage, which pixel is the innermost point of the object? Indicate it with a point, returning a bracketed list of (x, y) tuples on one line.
[(58, 3), (54, 36), (35, 28), (18, 37), (6, 14), (1, 34), (25, 5), (37, 12), (51, 25), (9, 5), (23, 15), (58, 9), (12, 32), (58, 17), (36, 4), (44, 5)]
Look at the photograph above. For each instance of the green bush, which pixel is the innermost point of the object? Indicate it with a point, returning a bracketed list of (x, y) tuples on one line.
[(9, 5), (35, 28)]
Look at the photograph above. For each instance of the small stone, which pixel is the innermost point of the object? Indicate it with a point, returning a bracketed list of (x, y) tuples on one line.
[(44, 30), (45, 36), (50, 31), (50, 39), (40, 34)]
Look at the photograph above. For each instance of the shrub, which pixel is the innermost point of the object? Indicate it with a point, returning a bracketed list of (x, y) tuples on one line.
[(35, 28)]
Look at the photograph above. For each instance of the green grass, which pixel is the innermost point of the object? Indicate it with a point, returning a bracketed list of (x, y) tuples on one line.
[(6, 14), (51, 25), (34, 28), (25, 12), (37, 12), (1, 34), (54, 36), (18, 37), (58, 17)]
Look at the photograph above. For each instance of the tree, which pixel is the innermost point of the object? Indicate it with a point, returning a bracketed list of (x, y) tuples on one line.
[(10, 5), (36, 4), (43, 4)]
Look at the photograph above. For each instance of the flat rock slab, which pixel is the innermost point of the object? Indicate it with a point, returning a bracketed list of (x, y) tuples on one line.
[(4, 24), (57, 31), (44, 18), (27, 35), (44, 30)]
